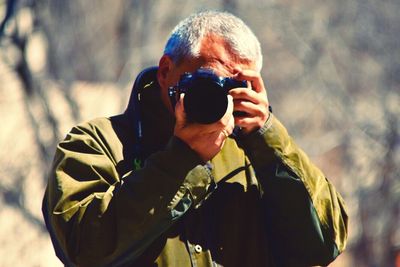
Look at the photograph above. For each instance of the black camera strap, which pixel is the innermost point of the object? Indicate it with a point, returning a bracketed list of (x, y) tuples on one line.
[(143, 79), (137, 122)]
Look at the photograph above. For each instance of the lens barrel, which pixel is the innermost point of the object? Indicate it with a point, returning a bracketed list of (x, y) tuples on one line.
[(206, 94)]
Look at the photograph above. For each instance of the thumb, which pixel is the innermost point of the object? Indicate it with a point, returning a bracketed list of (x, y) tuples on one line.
[(229, 109), (180, 114)]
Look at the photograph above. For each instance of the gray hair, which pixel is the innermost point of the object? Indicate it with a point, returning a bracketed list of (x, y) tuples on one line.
[(186, 37)]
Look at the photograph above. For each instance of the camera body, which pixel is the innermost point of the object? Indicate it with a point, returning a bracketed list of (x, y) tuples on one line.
[(206, 94)]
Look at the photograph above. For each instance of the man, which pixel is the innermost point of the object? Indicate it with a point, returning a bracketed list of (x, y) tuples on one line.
[(152, 188)]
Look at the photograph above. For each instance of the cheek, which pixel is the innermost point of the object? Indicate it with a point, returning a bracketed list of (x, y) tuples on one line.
[(172, 78)]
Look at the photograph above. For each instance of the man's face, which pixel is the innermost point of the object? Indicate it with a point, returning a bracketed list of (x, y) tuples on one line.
[(215, 53)]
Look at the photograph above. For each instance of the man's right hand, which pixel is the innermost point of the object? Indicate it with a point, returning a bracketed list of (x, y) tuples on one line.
[(205, 139)]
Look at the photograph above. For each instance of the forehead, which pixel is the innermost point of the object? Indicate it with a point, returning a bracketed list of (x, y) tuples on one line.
[(216, 53)]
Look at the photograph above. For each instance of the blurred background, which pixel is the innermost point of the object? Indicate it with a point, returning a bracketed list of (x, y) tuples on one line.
[(331, 67)]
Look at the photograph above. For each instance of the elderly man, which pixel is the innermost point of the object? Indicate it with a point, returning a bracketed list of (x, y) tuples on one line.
[(153, 187)]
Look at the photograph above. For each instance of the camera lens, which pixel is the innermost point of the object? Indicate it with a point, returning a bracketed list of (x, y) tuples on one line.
[(206, 102)]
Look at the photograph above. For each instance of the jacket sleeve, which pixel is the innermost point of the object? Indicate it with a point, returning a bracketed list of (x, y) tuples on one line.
[(305, 216), (97, 218)]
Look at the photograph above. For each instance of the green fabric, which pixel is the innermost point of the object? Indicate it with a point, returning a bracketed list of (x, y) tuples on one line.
[(306, 216), (272, 206)]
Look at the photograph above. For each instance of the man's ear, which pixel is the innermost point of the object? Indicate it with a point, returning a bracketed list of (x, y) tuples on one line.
[(164, 70)]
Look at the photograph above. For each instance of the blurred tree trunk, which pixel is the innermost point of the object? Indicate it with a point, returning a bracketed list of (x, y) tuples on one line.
[(135, 38), (36, 107)]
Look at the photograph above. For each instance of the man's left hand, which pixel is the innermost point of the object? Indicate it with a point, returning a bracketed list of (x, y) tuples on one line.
[(252, 100)]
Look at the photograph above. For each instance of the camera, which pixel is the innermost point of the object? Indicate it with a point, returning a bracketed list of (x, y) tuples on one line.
[(206, 94)]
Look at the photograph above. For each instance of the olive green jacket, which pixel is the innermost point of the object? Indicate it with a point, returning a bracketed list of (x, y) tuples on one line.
[(259, 202)]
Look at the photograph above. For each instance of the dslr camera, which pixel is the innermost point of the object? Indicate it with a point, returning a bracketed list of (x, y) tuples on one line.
[(206, 95)]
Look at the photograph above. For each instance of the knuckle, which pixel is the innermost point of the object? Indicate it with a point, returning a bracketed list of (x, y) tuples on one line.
[(221, 123)]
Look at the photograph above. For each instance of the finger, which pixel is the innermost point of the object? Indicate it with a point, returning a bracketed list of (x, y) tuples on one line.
[(254, 78), (249, 108), (247, 122), (228, 130), (231, 124), (228, 113), (229, 109), (248, 95), (225, 133)]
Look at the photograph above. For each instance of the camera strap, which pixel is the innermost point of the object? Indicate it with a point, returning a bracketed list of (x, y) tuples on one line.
[(143, 80), (137, 122), (138, 160)]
